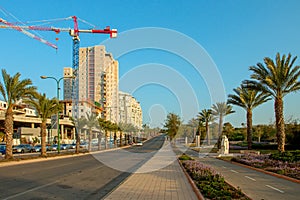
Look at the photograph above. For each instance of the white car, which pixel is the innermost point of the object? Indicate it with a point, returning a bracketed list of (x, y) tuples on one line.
[(139, 144)]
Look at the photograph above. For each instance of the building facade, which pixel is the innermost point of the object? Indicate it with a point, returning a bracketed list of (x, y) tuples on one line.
[(98, 81), (130, 110)]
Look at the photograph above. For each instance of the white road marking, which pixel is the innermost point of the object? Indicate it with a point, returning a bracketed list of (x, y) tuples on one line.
[(250, 178), (234, 171), (224, 167), (30, 190), (275, 189)]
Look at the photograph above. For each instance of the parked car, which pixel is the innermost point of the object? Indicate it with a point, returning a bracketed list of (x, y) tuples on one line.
[(63, 146), (37, 148), (139, 144), (72, 146), (53, 147), (23, 148), (2, 149), (84, 145)]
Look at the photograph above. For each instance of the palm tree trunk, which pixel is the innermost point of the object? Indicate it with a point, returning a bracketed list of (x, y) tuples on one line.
[(106, 139), (279, 123), (90, 140), (220, 125), (220, 131), (8, 129), (115, 139), (99, 141), (77, 140), (207, 132), (121, 135), (249, 128), (43, 139)]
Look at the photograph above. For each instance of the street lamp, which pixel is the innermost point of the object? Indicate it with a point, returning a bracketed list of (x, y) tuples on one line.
[(57, 115)]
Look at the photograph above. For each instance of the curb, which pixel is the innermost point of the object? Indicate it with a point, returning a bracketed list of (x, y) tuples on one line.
[(192, 183)]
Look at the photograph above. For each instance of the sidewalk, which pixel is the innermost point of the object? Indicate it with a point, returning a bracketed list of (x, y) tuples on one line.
[(159, 178)]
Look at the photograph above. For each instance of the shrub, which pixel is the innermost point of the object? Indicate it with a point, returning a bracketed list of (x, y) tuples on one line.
[(286, 163), (288, 156), (185, 157), (210, 183)]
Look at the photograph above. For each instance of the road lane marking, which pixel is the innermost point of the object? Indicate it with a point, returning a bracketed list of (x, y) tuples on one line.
[(250, 178), (30, 190), (274, 188), (234, 171), (224, 167)]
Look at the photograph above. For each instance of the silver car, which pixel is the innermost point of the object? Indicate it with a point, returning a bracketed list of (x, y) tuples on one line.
[(23, 148)]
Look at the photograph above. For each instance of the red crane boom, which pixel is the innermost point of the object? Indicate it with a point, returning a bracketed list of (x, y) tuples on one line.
[(22, 29)]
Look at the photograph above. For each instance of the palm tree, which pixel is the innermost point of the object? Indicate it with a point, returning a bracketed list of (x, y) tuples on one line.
[(247, 99), (194, 123), (79, 125), (206, 116), (106, 126), (115, 128), (91, 122), (45, 108), (276, 79), (172, 124), (220, 110), (12, 90)]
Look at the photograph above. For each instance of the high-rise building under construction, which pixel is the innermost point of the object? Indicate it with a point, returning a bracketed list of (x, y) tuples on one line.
[(98, 76)]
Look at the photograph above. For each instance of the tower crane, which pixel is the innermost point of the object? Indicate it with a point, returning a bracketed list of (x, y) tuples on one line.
[(74, 33)]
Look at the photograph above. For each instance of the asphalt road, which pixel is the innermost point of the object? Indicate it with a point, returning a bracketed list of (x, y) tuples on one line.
[(255, 184), (90, 176)]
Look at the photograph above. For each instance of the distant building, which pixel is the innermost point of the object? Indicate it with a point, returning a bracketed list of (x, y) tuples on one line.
[(68, 71), (130, 110)]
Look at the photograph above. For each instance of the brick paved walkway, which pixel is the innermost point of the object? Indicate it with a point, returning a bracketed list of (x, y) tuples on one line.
[(159, 178)]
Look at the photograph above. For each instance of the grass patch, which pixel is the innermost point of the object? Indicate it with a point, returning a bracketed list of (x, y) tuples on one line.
[(185, 157)]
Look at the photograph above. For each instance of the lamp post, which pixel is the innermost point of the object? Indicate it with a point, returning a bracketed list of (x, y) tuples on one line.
[(57, 115)]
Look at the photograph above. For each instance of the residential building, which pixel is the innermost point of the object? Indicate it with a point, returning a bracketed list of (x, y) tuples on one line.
[(68, 71), (130, 110), (98, 81), (27, 125)]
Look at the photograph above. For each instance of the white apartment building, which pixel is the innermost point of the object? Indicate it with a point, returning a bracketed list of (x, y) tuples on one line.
[(130, 110)]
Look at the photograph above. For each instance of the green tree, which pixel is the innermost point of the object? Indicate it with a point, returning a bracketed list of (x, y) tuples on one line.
[(247, 99), (12, 90), (106, 126), (277, 79), (45, 108), (206, 116), (172, 124), (228, 129)]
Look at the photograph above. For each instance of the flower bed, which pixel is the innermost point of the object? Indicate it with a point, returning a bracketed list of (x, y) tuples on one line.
[(210, 183), (287, 163)]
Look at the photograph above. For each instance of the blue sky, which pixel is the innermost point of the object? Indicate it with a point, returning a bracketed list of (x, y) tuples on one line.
[(234, 34)]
